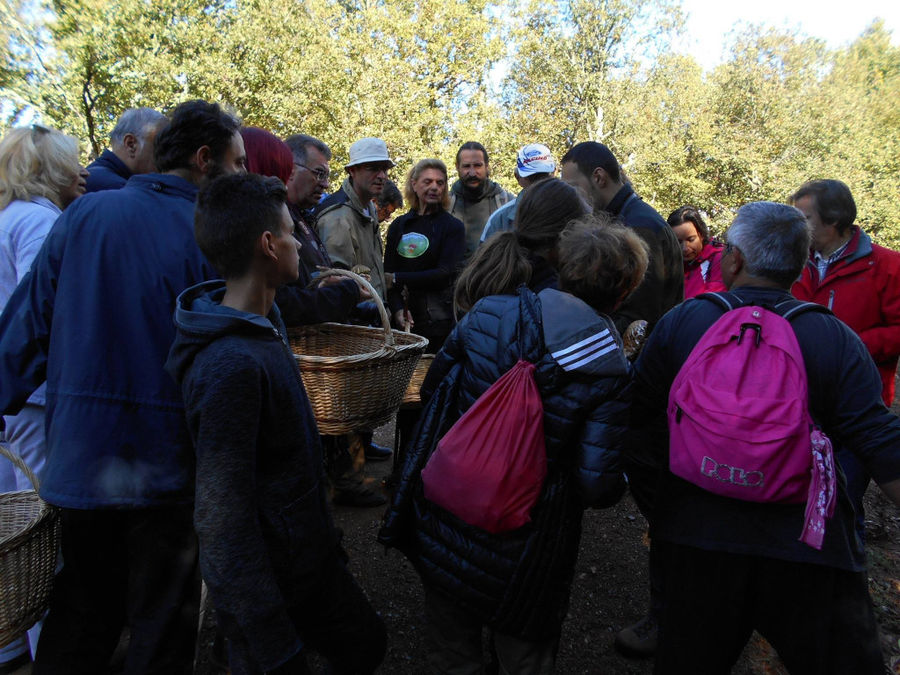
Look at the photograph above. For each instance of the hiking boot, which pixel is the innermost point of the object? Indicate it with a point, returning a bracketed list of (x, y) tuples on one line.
[(358, 495), (377, 453), (639, 639)]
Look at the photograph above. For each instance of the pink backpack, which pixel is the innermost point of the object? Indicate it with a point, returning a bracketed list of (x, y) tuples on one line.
[(739, 422)]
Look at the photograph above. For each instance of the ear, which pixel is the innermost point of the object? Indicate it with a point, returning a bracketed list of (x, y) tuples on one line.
[(267, 245), (736, 263), (599, 177), (132, 145), (203, 159)]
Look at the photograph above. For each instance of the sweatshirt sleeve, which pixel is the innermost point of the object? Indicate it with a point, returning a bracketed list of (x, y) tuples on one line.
[(25, 324), (223, 402)]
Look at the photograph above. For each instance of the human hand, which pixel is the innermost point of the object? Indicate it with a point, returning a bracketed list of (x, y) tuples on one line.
[(403, 319)]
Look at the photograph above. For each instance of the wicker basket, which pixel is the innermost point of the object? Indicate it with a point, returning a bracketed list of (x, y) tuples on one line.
[(412, 399), (29, 542), (355, 376)]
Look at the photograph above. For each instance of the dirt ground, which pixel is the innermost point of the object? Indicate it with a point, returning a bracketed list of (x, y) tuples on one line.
[(610, 590)]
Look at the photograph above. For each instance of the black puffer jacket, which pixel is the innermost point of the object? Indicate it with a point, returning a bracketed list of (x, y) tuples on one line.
[(519, 582)]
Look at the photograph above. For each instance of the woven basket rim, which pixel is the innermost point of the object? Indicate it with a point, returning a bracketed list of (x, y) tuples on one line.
[(43, 511)]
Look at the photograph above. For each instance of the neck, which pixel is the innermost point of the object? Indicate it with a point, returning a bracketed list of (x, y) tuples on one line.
[(744, 279), (187, 174), (427, 208), (836, 243), (250, 295)]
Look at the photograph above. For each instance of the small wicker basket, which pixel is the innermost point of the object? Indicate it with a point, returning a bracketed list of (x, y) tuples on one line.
[(29, 543), (355, 376)]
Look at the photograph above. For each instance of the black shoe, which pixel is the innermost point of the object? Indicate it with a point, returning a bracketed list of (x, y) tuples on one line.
[(640, 639), (378, 453), (359, 496)]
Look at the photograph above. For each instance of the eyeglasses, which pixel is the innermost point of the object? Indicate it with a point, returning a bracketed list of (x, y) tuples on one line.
[(321, 175)]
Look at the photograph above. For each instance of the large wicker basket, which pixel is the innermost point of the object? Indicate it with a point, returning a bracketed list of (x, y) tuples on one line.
[(355, 376), (412, 397), (29, 542)]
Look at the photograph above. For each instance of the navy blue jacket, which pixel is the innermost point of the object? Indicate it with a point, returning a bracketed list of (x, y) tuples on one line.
[(844, 399), (663, 284), (519, 582), (261, 510), (94, 318), (107, 172)]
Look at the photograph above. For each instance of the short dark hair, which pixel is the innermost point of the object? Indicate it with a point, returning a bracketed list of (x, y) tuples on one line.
[(390, 194), (834, 202), (689, 214), (298, 143), (194, 124), (472, 145), (232, 212), (589, 155)]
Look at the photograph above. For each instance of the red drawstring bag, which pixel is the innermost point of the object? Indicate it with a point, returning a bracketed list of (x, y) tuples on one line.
[(489, 468)]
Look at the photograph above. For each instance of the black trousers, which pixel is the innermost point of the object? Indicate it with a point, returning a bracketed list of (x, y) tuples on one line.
[(336, 620), (818, 618), (123, 567)]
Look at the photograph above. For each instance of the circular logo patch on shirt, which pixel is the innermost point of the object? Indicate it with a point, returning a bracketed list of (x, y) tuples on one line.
[(412, 245)]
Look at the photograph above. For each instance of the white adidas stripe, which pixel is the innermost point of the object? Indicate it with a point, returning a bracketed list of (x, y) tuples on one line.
[(585, 351)]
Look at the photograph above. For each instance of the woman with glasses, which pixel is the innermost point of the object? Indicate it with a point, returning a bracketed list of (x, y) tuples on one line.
[(40, 175)]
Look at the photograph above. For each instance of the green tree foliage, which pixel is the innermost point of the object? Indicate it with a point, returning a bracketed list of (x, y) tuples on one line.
[(427, 75)]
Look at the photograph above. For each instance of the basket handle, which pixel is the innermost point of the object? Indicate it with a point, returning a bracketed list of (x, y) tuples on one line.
[(20, 464), (382, 312)]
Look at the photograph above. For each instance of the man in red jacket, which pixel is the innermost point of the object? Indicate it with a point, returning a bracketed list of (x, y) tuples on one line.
[(860, 282), (857, 280)]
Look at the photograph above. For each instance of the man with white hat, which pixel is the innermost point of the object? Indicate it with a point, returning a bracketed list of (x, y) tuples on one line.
[(348, 221), (533, 163)]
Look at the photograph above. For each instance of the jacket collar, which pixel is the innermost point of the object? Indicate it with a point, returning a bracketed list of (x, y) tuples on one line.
[(353, 199), (109, 159), (165, 182), (617, 203)]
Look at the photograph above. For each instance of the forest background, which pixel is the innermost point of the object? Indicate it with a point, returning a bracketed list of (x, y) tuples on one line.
[(427, 75)]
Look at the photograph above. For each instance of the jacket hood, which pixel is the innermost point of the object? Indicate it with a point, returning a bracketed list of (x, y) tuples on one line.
[(578, 338), (201, 319)]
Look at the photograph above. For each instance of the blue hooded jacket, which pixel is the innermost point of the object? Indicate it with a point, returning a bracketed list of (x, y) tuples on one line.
[(261, 511), (93, 318)]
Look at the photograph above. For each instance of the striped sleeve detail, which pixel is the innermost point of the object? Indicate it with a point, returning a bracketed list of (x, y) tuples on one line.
[(586, 350)]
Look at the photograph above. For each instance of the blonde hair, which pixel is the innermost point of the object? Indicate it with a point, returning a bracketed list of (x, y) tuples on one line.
[(36, 162), (411, 197), (601, 261)]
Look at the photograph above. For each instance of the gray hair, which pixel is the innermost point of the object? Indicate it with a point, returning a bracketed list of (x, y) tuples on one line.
[(773, 239), (298, 143), (137, 122)]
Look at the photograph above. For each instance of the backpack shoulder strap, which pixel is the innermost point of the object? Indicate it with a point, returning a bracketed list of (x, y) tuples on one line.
[(725, 301), (790, 309)]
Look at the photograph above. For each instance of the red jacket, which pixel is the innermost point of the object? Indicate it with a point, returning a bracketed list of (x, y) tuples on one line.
[(862, 288), (700, 278)]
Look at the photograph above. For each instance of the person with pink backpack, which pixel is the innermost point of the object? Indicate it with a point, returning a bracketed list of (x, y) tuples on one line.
[(738, 397)]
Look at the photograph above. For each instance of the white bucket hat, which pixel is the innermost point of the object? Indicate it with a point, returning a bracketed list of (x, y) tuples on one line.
[(367, 150)]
